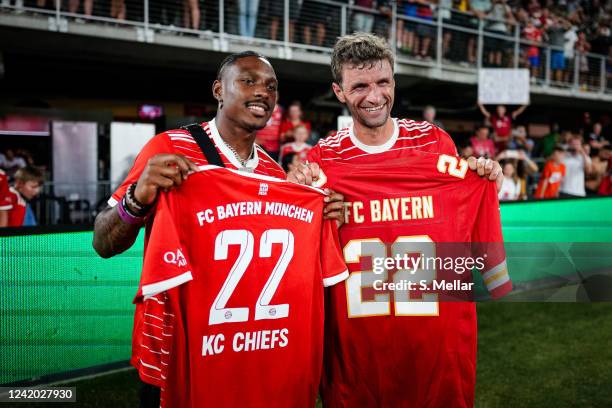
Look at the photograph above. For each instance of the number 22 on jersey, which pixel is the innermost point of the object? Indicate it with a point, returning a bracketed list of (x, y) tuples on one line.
[(219, 313)]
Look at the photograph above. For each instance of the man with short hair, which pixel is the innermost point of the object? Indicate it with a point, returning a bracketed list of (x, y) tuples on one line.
[(246, 91), (381, 348)]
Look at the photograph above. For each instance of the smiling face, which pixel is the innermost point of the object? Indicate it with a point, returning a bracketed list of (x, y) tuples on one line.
[(368, 91), (247, 92)]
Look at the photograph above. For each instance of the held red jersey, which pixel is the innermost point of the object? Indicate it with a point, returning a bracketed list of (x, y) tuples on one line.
[(177, 141), (408, 135), (5, 199), (238, 263), (401, 330)]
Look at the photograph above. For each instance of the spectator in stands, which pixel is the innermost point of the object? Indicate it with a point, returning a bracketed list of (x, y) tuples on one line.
[(425, 32), (596, 139), (247, 11), (276, 11), (482, 145), (583, 47), (511, 187), (429, 115), (533, 35), (364, 22), (548, 142), (294, 119), (556, 33), (382, 22), (523, 163), (605, 187), (73, 6), (314, 16), (598, 171), (569, 41), (577, 164), (299, 146), (444, 10), (117, 9), (479, 8), (552, 175), (270, 137), (499, 17), (12, 162), (501, 123), (191, 14), (406, 28), (27, 185), (520, 140)]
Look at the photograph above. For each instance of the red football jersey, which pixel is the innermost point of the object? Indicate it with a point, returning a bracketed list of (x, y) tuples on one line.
[(410, 347), (17, 210), (5, 199), (502, 126), (408, 135), (177, 141), (238, 262)]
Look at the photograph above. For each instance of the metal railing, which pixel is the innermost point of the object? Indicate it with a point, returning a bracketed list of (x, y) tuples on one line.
[(447, 40)]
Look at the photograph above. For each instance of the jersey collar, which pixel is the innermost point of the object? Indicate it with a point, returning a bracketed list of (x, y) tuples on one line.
[(376, 149), (251, 164)]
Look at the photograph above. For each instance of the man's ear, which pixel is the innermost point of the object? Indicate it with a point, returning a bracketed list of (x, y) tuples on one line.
[(339, 93), (216, 90)]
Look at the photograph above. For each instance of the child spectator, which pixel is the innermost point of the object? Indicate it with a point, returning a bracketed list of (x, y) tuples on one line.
[(577, 163), (482, 145), (290, 161), (299, 146), (501, 124), (511, 187), (294, 119), (28, 181), (554, 172), (534, 35)]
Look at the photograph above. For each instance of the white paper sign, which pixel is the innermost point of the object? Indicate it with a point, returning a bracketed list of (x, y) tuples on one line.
[(503, 86)]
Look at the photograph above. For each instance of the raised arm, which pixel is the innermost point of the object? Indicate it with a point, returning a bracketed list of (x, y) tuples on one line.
[(484, 110), (519, 111)]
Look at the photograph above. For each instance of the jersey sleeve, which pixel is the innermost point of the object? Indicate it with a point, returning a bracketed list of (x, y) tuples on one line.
[(165, 265), (446, 144), (5, 197), (157, 145), (332, 263), (488, 244)]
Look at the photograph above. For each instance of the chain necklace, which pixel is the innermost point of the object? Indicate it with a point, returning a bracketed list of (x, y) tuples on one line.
[(240, 160)]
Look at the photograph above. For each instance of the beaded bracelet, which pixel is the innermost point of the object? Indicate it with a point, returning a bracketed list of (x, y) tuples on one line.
[(126, 215)]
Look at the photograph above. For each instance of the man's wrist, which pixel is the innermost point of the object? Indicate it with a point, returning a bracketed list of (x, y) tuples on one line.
[(133, 205)]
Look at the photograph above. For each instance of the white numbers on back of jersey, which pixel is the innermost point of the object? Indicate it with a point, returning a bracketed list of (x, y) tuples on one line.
[(452, 165), (245, 240), (404, 305)]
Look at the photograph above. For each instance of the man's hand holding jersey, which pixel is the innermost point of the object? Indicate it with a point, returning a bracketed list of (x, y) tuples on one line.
[(309, 173), (163, 171)]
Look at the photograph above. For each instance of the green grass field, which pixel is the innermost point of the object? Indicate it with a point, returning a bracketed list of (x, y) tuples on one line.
[(529, 355)]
